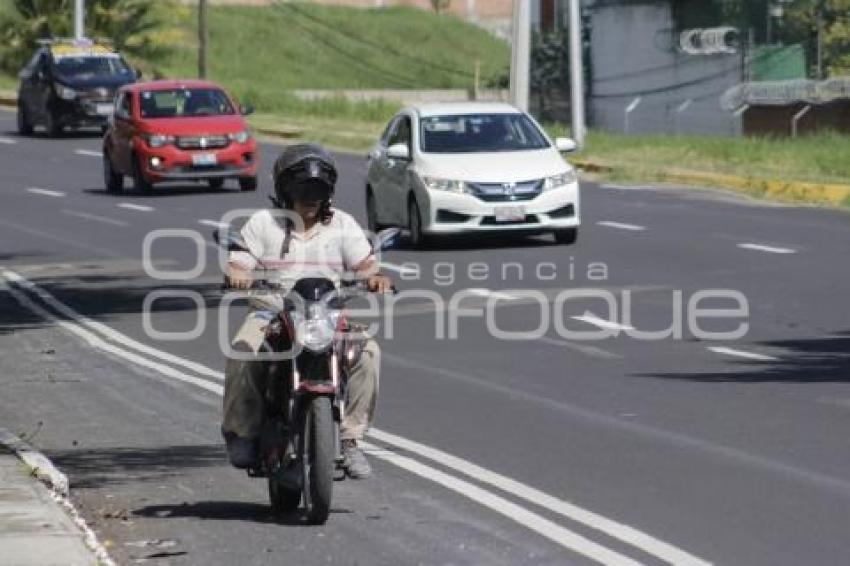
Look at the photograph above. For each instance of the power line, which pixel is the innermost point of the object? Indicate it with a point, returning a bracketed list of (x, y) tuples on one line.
[(382, 48), (389, 76)]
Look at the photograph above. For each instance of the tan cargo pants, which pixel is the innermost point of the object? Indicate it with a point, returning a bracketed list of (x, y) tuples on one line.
[(245, 387)]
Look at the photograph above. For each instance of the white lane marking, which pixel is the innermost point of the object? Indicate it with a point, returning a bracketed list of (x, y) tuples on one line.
[(96, 342), (45, 192), (106, 331), (213, 223), (95, 217), (591, 351), (591, 318), (619, 531), (400, 269), (489, 293), (742, 354), (139, 207), (522, 516), (621, 226), (8, 141), (88, 153), (768, 249)]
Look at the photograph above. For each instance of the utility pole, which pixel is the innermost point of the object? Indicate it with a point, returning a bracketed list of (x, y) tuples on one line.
[(203, 39), (521, 54), (820, 40), (577, 74), (79, 19)]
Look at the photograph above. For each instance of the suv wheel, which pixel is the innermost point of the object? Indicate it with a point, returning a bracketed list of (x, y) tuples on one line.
[(114, 182), (141, 184), (24, 125), (52, 125)]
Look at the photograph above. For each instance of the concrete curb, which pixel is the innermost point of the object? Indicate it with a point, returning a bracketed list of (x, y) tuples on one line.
[(787, 191), (42, 468), (57, 483)]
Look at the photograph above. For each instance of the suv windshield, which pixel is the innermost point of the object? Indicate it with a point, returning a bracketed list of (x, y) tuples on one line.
[(91, 67), (478, 133), (186, 102)]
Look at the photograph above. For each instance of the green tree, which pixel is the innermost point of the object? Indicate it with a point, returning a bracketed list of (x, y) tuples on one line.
[(132, 26), (799, 24)]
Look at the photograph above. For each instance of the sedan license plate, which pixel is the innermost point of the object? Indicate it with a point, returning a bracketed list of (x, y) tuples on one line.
[(103, 109), (204, 159), (510, 213)]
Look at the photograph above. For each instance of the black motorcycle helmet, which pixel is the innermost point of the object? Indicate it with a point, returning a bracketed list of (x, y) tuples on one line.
[(305, 172)]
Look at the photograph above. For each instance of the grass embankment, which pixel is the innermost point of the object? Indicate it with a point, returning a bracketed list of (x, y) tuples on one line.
[(802, 170), (259, 53)]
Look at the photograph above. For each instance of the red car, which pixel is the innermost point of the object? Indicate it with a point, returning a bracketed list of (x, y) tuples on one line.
[(177, 131)]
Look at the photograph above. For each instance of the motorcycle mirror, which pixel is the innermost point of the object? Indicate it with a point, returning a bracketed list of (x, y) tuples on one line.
[(230, 240), (386, 239)]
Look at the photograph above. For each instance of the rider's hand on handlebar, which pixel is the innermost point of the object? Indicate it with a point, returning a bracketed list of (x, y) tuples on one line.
[(380, 284), (239, 278)]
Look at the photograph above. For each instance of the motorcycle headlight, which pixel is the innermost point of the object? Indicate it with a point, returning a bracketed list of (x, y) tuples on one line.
[(315, 334), (434, 184), (159, 140), (64, 92), (240, 137), (557, 181)]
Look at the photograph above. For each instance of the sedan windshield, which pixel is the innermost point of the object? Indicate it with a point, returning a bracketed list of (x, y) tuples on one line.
[(480, 133), (185, 103), (91, 67)]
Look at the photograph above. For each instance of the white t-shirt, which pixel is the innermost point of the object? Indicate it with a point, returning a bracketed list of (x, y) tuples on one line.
[(326, 250)]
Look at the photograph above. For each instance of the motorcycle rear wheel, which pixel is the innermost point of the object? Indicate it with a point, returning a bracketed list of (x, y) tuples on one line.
[(317, 459)]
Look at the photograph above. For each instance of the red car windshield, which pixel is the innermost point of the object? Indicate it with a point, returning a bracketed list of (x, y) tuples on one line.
[(185, 103)]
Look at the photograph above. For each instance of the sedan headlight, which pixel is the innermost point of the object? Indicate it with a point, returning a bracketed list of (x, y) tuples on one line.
[(159, 140), (64, 92), (240, 137), (557, 181), (434, 184)]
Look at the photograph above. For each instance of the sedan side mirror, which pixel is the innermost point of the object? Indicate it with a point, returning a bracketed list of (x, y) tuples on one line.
[(399, 152), (565, 145), (246, 109)]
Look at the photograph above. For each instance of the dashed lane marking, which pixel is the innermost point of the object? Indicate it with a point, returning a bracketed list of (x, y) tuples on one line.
[(45, 192)]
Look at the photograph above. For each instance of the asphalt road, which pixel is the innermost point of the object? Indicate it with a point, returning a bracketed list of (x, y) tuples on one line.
[(487, 451)]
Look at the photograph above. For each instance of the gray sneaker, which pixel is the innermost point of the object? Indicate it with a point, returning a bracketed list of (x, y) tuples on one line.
[(354, 461)]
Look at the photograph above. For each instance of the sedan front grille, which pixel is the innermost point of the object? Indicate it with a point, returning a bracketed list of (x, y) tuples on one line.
[(202, 142), (507, 192)]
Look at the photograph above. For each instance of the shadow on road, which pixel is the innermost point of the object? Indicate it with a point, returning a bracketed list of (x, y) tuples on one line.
[(808, 360), (93, 468), (226, 511), (473, 242)]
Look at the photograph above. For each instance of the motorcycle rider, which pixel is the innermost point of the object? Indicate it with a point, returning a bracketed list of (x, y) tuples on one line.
[(304, 180)]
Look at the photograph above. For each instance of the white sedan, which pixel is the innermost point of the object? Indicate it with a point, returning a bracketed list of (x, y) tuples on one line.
[(471, 167)]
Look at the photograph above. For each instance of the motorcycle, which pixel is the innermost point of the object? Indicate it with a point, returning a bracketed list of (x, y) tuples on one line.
[(299, 446)]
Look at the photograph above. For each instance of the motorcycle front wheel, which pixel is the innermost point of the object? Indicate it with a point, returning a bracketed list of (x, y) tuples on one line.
[(318, 453)]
